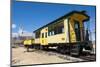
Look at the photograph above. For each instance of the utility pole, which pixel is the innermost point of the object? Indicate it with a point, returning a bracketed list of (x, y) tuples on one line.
[(20, 32)]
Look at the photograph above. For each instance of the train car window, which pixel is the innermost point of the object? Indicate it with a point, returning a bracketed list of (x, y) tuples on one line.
[(42, 35), (49, 33), (63, 30), (52, 33), (55, 31), (37, 35), (46, 34), (60, 30), (76, 26)]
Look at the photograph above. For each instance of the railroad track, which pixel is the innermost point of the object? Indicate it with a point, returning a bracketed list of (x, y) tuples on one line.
[(88, 57), (85, 56)]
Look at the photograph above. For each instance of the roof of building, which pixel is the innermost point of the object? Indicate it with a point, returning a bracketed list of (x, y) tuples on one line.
[(23, 35), (66, 15)]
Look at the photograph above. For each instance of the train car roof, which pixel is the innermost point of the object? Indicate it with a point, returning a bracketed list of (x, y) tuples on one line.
[(66, 15)]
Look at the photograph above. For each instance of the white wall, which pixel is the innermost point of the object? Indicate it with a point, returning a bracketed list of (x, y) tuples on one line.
[(37, 40), (66, 30), (56, 38)]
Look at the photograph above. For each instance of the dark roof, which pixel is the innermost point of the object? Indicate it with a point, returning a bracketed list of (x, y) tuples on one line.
[(66, 15)]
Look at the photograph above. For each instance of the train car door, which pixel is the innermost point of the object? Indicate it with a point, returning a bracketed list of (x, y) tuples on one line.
[(44, 37), (77, 30)]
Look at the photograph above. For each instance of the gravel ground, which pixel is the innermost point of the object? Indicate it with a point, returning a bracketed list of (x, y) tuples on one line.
[(21, 57)]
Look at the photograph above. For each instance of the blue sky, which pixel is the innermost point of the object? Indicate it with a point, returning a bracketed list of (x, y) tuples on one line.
[(32, 15)]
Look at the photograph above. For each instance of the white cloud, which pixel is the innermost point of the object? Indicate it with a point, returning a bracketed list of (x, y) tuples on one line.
[(13, 26)]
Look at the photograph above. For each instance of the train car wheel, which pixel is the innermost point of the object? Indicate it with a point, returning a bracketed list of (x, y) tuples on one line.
[(27, 47), (75, 50), (41, 47)]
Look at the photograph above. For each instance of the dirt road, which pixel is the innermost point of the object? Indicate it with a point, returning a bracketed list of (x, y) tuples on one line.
[(21, 57)]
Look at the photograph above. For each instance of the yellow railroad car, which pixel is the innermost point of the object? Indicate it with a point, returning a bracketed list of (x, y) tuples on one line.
[(28, 42), (67, 33)]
